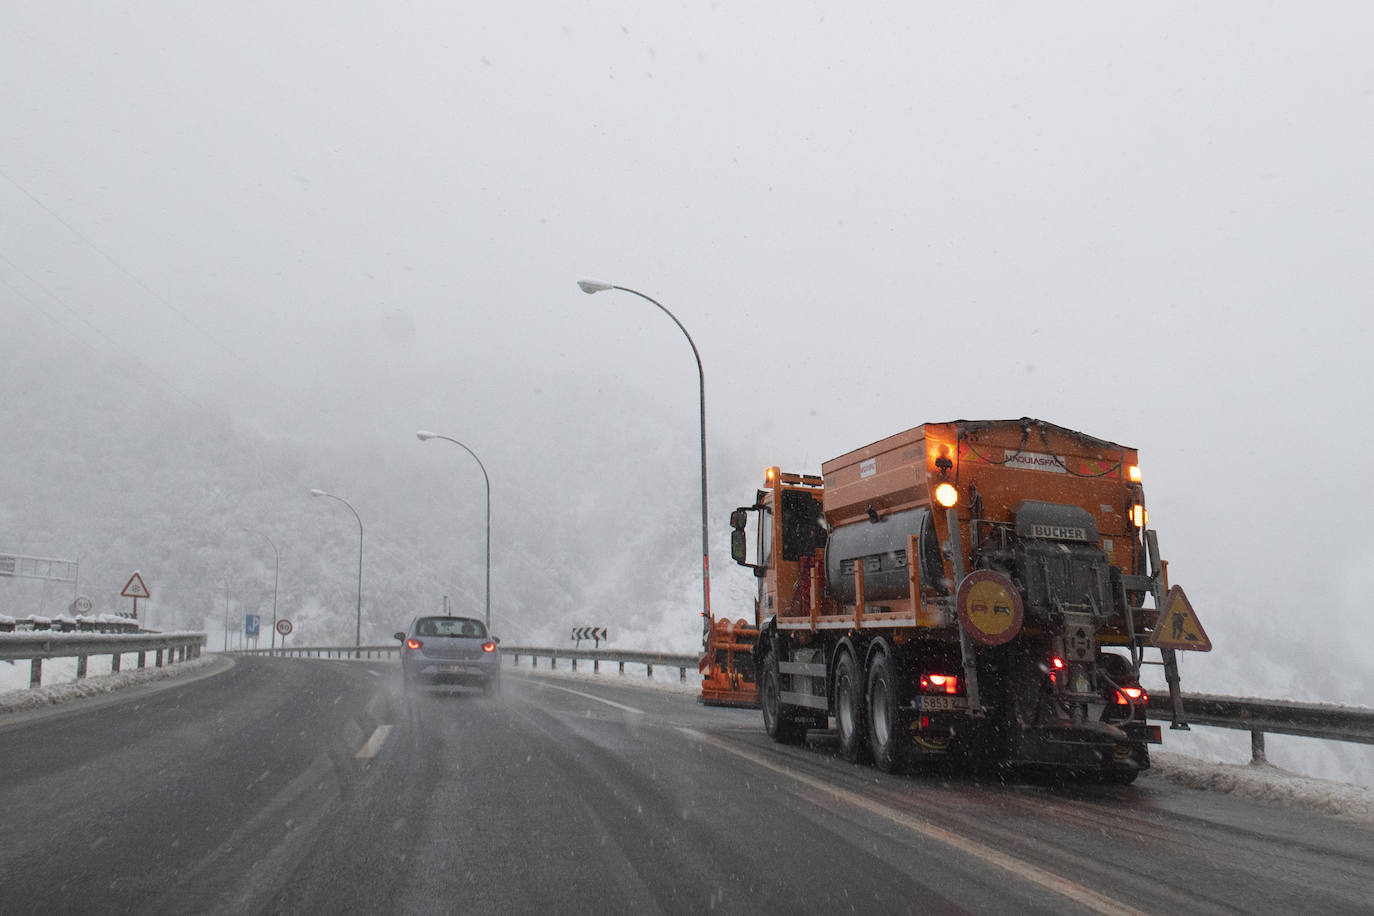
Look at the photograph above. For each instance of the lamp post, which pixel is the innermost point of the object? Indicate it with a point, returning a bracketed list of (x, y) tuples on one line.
[(358, 639), (425, 435), (276, 577), (226, 610), (596, 286)]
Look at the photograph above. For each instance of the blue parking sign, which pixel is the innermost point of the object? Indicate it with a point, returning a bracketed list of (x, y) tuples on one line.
[(251, 622)]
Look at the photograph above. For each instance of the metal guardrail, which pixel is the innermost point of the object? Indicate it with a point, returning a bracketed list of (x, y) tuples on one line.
[(597, 656), (324, 651), (622, 657), (38, 646), (1312, 720), (1281, 717)]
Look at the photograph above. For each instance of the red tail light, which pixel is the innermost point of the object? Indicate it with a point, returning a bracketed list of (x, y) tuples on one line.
[(1056, 666), (939, 683), (413, 643), (1128, 695), (488, 646)]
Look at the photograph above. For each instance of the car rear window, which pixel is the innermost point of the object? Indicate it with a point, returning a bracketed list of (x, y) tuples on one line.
[(450, 626)]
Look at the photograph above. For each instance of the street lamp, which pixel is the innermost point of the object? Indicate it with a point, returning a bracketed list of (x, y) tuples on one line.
[(597, 286), (226, 610), (425, 435), (276, 576), (358, 644)]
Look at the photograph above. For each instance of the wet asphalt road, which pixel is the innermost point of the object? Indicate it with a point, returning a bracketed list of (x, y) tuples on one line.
[(245, 792)]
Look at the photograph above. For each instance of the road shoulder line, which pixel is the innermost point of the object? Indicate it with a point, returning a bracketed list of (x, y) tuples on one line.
[(1083, 896)]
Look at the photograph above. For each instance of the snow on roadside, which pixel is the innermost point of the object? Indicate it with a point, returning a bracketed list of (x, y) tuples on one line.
[(38, 697), (636, 675), (1265, 782)]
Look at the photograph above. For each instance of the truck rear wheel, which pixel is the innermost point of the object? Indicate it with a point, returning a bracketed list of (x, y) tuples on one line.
[(778, 722), (886, 738), (850, 718)]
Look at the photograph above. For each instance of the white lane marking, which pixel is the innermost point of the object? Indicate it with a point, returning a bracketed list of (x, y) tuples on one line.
[(638, 712), (374, 744), (1094, 901)]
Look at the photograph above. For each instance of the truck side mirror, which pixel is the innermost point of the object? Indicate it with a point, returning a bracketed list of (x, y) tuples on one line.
[(738, 519), (738, 543)]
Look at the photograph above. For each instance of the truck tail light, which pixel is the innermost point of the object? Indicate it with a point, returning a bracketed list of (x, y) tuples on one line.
[(1056, 667), (413, 643), (1125, 696), (488, 646), (939, 683)]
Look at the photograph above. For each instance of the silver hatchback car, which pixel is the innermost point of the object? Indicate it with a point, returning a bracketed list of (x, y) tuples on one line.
[(450, 650)]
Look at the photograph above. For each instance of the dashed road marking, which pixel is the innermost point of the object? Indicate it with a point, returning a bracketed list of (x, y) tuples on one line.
[(374, 744), (588, 696)]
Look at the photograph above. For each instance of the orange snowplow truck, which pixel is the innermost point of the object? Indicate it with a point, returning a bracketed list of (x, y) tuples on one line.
[(985, 591), (727, 664)]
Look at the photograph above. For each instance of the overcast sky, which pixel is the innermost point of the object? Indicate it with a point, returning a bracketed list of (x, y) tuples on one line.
[(346, 220)]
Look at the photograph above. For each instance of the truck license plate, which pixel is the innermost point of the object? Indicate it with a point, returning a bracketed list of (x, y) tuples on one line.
[(929, 704)]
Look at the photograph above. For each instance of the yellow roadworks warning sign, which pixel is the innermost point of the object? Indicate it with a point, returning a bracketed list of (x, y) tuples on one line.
[(1178, 626)]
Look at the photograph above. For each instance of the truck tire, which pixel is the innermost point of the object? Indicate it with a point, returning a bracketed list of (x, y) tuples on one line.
[(778, 721), (851, 720), (887, 740)]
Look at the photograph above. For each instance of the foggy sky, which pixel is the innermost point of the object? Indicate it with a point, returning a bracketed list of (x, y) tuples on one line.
[(342, 222)]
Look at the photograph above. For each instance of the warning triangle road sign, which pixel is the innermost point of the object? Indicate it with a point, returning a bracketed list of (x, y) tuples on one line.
[(135, 588), (1178, 627)]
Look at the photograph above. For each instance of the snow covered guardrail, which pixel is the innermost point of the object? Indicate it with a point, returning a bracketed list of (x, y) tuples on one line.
[(37, 646), (1281, 717)]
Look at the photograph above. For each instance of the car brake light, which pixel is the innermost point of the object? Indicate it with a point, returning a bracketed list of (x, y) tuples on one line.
[(488, 646), (413, 643)]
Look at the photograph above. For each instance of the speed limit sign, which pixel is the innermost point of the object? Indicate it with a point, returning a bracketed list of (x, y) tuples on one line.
[(283, 626)]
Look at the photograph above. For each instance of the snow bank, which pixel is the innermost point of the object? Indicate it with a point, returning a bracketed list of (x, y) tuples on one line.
[(37, 697), (1265, 782)]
